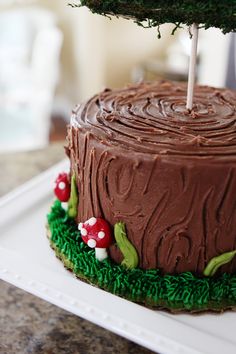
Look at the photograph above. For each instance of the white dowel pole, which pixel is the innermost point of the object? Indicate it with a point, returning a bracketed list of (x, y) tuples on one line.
[(192, 66)]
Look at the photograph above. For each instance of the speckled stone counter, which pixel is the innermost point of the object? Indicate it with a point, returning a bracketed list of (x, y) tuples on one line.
[(29, 324)]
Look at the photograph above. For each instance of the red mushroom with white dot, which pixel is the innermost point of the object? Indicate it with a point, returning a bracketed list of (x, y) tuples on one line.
[(96, 233), (62, 187)]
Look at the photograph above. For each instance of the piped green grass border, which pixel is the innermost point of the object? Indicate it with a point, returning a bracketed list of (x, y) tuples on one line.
[(182, 292)]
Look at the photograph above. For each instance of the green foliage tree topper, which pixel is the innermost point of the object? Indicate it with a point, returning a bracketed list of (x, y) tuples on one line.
[(152, 13)]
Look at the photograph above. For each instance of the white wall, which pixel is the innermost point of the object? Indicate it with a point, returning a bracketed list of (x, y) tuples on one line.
[(106, 50), (213, 47), (98, 52)]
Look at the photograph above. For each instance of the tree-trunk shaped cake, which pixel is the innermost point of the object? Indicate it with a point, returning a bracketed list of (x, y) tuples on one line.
[(152, 213)]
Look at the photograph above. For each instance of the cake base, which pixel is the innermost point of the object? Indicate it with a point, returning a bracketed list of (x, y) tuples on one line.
[(184, 292)]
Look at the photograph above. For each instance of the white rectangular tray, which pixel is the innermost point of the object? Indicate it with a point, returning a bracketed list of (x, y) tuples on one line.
[(27, 261)]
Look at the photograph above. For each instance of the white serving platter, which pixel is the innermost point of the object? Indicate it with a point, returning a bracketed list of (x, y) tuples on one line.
[(27, 261)]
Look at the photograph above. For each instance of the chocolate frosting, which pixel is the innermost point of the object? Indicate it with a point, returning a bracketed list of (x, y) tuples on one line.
[(170, 174)]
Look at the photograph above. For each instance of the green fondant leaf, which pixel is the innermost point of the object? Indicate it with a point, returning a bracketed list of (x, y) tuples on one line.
[(73, 201), (217, 262), (130, 260)]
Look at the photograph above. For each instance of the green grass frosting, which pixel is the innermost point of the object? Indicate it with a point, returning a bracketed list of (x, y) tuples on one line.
[(184, 291)]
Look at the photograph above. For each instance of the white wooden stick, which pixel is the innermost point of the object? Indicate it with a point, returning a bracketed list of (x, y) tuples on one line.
[(192, 66)]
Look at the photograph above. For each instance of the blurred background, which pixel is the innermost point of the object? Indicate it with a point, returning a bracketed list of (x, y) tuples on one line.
[(53, 56)]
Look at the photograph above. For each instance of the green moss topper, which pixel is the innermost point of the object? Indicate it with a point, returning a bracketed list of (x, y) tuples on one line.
[(152, 13), (173, 292)]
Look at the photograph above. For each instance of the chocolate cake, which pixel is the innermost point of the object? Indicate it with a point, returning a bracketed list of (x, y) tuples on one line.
[(168, 174), (140, 158)]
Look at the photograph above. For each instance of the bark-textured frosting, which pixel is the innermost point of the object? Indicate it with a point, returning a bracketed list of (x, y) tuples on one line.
[(140, 157)]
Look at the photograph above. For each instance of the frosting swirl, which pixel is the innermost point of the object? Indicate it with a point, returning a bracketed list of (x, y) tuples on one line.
[(152, 118)]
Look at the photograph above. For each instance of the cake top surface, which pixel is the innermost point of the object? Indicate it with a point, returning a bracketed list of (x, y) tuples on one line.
[(152, 118)]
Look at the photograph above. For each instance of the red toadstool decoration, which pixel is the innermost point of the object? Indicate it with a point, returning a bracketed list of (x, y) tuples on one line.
[(96, 233), (62, 187)]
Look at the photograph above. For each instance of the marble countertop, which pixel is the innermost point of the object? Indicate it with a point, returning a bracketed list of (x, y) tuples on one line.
[(29, 324)]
